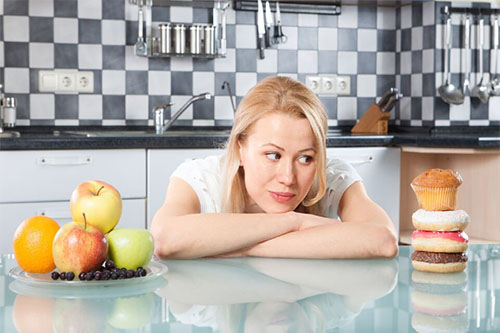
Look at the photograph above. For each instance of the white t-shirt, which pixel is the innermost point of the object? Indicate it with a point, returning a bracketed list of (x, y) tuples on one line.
[(205, 177)]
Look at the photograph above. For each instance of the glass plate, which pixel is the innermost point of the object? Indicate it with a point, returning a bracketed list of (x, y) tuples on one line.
[(154, 269)]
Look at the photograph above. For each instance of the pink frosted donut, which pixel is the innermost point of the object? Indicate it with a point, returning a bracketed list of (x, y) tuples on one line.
[(440, 241)]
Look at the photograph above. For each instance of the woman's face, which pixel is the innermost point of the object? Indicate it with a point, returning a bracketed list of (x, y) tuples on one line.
[(279, 160)]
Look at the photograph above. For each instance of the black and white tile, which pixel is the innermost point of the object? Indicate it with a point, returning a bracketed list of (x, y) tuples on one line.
[(377, 47)]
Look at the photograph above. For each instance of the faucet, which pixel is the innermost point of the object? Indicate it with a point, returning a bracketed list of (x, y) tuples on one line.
[(158, 111)]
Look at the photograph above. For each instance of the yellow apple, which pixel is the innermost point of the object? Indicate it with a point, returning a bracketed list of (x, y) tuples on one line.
[(99, 201)]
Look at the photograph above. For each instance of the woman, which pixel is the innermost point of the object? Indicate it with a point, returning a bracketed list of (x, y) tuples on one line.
[(273, 193)]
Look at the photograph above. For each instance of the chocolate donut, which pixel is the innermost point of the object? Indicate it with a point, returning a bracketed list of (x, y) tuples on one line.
[(439, 262)]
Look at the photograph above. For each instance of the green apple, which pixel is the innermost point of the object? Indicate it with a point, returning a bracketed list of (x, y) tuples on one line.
[(132, 313), (130, 248)]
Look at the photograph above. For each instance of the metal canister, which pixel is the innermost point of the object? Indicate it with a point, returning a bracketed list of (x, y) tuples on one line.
[(165, 38), (180, 38), (209, 39), (195, 39), (9, 106)]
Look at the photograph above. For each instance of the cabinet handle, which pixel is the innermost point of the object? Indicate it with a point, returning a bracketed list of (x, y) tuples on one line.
[(358, 161), (65, 160), (55, 214)]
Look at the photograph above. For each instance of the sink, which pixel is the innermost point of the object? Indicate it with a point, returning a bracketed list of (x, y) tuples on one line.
[(104, 133), (10, 134)]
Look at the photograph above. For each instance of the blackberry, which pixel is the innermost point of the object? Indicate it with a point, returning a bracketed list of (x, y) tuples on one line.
[(109, 264), (98, 275), (114, 276), (70, 276), (54, 275), (62, 275)]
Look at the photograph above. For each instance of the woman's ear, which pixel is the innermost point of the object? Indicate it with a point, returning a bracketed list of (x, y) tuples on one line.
[(241, 152)]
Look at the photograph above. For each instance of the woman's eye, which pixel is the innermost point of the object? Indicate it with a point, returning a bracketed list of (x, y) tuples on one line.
[(273, 156), (305, 159)]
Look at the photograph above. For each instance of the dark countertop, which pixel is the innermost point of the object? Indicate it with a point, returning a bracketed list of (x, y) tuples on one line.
[(47, 137)]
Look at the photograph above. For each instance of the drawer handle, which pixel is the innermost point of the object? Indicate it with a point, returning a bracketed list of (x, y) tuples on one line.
[(65, 160), (360, 161), (55, 214)]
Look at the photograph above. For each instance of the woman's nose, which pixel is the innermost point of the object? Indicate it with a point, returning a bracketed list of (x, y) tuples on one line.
[(286, 173)]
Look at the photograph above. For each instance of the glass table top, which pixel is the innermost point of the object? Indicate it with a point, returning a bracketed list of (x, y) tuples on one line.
[(269, 295)]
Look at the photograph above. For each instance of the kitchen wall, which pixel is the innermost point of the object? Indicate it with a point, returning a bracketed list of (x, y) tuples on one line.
[(369, 44)]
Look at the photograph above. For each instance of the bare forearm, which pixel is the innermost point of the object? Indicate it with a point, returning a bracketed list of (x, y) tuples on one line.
[(204, 235), (337, 240)]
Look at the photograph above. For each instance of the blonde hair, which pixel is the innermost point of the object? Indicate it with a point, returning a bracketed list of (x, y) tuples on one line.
[(275, 95)]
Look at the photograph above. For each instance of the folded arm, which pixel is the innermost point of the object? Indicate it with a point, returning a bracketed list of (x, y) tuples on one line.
[(180, 231), (366, 232)]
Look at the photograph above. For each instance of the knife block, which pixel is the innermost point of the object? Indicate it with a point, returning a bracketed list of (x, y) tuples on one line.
[(373, 121)]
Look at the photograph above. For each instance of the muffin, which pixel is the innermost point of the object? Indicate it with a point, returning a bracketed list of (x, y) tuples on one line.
[(436, 189)]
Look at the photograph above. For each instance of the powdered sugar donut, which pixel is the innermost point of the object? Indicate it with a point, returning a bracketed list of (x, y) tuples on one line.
[(440, 241), (450, 220)]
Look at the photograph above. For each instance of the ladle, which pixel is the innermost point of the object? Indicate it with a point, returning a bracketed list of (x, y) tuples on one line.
[(495, 82), (466, 85), (448, 92), (481, 90)]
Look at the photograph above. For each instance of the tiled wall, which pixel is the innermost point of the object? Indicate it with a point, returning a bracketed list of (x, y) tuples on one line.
[(369, 44), (98, 35)]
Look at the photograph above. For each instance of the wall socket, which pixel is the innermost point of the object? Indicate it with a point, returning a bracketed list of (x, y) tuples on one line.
[(329, 84), (65, 81)]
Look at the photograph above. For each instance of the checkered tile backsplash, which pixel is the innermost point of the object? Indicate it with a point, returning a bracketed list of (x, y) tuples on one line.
[(378, 47)]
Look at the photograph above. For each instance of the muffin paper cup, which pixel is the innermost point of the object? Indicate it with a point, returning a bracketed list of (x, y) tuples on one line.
[(436, 198)]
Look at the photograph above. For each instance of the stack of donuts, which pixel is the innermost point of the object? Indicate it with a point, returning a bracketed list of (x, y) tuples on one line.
[(440, 241)]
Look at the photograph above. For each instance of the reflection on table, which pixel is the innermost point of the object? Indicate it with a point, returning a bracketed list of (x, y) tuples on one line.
[(277, 295)]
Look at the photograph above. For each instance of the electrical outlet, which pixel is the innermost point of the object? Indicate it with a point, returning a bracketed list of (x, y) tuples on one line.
[(65, 81), (313, 83), (328, 84), (85, 82), (343, 85)]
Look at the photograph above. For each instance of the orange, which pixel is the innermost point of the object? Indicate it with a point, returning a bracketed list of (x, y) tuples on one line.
[(33, 244)]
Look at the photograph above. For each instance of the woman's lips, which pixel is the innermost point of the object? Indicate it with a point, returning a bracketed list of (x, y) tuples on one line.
[(281, 196)]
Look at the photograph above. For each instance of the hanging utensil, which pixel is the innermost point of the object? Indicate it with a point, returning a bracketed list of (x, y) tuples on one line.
[(261, 30), (481, 89), (279, 37), (448, 92), (269, 24), (495, 82), (140, 45), (466, 86)]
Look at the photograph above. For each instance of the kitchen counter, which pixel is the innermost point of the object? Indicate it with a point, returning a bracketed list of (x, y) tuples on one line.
[(251, 294), (75, 138)]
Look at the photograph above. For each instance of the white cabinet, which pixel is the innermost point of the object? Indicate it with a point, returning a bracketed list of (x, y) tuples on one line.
[(41, 182), (380, 169), (161, 164), (12, 214)]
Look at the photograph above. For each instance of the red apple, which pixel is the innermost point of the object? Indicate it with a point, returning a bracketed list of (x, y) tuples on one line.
[(79, 247), (100, 202)]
